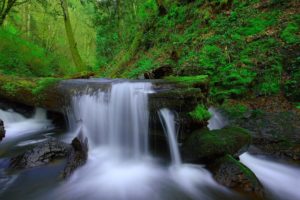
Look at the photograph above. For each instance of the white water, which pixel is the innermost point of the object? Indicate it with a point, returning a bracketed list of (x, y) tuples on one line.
[(280, 179), (17, 126), (120, 166), (217, 121), (167, 119)]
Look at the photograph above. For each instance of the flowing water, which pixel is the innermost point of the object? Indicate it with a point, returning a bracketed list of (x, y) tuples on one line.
[(120, 165), (217, 120), (17, 126), (281, 180), (167, 119), (114, 116)]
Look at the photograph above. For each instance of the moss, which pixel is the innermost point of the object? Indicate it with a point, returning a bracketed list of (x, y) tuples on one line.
[(234, 109), (298, 105), (200, 113), (43, 84), (189, 80), (290, 34), (205, 144)]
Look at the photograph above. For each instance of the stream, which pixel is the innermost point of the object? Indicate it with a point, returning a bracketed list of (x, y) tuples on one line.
[(120, 164)]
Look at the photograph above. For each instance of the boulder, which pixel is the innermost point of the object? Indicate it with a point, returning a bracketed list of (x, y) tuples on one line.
[(78, 155), (2, 130), (274, 133), (41, 154), (204, 146), (234, 175)]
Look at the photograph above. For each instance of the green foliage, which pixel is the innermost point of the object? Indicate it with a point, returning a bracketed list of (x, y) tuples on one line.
[(189, 80), (298, 105), (234, 110), (44, 83), (19, 56), (10, 88), (291, 33), (200, 113), (145, 64)]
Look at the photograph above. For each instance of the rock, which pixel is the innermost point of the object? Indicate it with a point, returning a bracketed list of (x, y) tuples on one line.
[(2, 130), (175, 100), (78, 155), (206, 146), (42, 154), (274, 133), (234, 175)]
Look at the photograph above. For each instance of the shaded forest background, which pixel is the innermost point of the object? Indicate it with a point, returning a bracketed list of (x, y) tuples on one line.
[(244, 48)]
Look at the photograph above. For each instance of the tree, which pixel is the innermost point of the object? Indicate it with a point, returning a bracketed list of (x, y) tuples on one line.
[(70, 35)]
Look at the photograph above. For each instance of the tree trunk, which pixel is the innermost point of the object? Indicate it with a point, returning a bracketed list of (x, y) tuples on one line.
[(69, 31), (5, 8)]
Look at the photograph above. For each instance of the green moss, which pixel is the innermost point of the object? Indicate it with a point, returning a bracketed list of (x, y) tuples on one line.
[(230, 140), (200, 113), (245, 170), (189, 80), (234, 110), (43, 84), (290, 33), (10, 88), (298, 105)]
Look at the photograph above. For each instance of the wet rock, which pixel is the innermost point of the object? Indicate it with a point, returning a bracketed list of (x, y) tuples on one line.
[(2, 130), (275, 134), (41, 154), (78, 155), (175, 100), (234, 175), (205, 146)]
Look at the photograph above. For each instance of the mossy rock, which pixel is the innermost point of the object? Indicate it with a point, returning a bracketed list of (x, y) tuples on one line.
[(206, 146), (233, 174)]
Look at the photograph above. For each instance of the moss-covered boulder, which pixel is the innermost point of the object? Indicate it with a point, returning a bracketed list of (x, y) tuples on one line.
[(233, 174), (205, 146)]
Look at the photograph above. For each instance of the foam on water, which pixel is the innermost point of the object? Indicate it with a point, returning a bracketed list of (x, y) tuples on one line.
[(17, 126)]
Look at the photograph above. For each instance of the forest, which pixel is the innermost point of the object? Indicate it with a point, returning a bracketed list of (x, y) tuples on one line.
[(204, 82)]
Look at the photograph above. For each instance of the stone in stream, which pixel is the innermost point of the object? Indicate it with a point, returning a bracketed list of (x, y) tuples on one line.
[(204, 146), (41, 154), (78, 155), (233, 174), (273, 133), (2, 130)]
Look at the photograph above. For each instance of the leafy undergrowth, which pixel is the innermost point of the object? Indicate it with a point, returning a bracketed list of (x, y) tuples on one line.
[(200, 113), (242, 46), (20, 57)]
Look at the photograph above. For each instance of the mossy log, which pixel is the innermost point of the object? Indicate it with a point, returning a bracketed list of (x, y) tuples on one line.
[(36, 92)]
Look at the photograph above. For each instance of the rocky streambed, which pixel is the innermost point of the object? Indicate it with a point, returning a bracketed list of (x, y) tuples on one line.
[(51, 157)]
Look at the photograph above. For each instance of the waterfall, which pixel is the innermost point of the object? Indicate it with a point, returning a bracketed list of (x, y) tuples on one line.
[(281, 180), (117, 118), (217, 121), (119, 167), (167, 119), (16, 125)]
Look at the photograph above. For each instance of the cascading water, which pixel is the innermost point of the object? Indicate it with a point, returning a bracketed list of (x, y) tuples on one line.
[(167, 119), (17, 126), (117, 119), (281, 180), (119, 164), (217, 121)]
